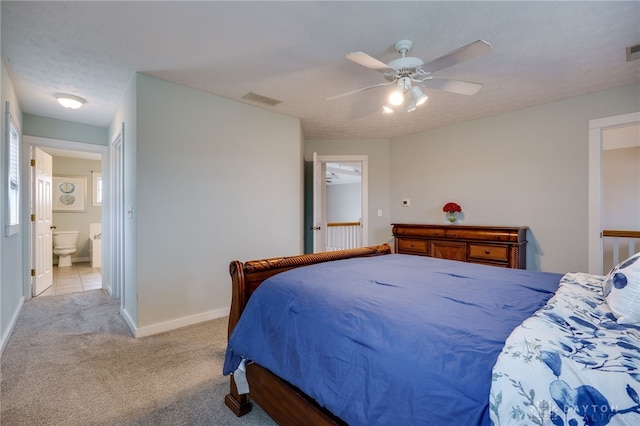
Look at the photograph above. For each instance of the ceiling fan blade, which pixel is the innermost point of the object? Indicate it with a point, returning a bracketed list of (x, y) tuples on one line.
[(465, 53), (454, 86), (359, 90), (369, 62)]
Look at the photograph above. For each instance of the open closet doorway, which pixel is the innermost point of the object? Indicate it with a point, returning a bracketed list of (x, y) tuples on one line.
[(339, 203), (69, 197)]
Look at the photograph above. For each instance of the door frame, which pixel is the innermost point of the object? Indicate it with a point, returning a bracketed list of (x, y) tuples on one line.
[(116, 193), (364, 184), (595, 205), (28, 250)]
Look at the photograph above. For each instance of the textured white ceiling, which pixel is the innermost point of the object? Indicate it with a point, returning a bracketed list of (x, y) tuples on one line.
[(294, 52)]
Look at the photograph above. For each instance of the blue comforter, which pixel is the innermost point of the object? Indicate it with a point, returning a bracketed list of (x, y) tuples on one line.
[(388, 340)]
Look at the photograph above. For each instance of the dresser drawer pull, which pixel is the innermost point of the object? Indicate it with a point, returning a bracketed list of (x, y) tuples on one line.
[(412, 245), (487, 251)]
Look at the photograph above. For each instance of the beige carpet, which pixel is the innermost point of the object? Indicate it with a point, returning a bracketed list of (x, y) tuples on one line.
[(71, 360)]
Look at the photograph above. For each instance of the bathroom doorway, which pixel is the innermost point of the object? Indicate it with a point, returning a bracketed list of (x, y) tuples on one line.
[(85, 166)]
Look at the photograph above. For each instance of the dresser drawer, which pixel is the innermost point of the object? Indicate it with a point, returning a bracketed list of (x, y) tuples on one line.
[(487, 252), (406, 245)]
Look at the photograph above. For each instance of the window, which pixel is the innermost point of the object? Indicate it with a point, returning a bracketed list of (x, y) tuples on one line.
[(13, 174), (96, 197)]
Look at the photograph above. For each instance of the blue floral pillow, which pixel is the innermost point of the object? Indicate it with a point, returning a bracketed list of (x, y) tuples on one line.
[(622, 290)]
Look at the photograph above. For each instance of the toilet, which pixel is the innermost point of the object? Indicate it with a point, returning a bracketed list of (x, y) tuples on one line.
[(64, 245)]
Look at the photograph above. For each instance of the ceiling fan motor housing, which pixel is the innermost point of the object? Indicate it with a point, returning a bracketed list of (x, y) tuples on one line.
[(406, 66)]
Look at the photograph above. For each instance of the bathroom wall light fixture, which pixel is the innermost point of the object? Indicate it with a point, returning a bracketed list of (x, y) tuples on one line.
[(70, 101)]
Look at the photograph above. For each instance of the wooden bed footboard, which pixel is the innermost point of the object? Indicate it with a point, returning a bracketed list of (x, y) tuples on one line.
[(275, 396)]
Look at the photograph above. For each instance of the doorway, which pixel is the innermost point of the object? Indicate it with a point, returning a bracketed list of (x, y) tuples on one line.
[(597, 130), (332, 224), (73, 153)]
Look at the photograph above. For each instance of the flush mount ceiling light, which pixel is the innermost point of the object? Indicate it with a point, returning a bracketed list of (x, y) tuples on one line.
[(70, 101)]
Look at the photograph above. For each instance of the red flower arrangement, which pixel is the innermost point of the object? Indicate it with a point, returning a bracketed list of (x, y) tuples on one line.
[(452, 207)]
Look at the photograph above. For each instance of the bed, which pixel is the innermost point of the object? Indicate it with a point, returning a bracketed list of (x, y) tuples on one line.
[(419, 341)]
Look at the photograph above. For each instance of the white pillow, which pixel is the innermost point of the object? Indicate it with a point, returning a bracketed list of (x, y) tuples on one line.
[(622, 290)]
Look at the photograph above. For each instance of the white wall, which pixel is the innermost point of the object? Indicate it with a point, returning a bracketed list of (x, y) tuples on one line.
[(11, 294), (53, 128), (621, 174), (216, 180), (527, 167), (343, 202)]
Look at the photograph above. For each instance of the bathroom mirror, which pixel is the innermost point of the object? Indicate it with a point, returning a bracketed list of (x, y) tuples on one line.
[(12, 140)]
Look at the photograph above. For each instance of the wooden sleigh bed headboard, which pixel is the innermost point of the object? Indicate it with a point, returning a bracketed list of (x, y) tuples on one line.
[(283, 402)]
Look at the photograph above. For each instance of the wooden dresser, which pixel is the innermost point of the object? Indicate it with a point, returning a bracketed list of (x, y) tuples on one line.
[(490, 245)]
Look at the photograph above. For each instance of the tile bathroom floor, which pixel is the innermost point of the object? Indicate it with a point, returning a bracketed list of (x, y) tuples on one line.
[(76, 278)]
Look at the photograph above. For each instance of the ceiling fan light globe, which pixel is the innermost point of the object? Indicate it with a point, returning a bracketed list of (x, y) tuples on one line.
[(411, 104), (417, 95), (397, 96)]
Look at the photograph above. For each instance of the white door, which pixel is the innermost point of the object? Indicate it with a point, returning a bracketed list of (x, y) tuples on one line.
[(42, 172), (319, 198), (319, 226)]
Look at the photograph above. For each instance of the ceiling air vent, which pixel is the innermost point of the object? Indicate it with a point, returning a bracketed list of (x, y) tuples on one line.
[(261, 99), (633, 53)]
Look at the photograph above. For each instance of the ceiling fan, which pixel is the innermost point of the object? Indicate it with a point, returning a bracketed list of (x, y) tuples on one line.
[(408, 74)]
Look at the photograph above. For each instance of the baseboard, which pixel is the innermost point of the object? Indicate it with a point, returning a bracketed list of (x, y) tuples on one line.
[(150, 330), (12, 324)]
